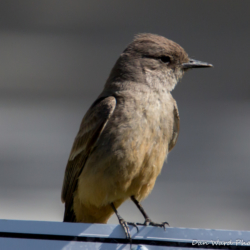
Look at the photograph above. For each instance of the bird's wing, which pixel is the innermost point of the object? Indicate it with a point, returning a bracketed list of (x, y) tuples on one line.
[(176, 128), (90, 130)]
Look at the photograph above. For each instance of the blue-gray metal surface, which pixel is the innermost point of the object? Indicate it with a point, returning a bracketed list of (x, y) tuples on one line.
[(57, 235)]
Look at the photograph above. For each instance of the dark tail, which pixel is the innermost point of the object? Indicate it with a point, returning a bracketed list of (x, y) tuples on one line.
[(69, 215)]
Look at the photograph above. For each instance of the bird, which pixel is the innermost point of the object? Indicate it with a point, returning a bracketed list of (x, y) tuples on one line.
[(125, 136)]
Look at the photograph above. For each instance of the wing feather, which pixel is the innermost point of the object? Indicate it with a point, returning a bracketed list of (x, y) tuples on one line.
[(90, 130), (176, 128)]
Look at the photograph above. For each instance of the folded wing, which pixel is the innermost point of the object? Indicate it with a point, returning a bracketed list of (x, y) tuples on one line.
[(91, 128)]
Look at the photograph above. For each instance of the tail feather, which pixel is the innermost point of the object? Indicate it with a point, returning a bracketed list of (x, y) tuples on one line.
[(69, 214)]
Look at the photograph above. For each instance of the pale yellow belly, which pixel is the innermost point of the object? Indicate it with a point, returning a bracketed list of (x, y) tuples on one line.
[(128, 160), (122, 174)]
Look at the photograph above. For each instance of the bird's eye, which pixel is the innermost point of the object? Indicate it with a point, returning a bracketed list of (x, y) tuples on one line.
[(165, 59)]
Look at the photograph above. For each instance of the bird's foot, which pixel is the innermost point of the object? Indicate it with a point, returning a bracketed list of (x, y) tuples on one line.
[(125, 227), (149, 222), (124, 224)]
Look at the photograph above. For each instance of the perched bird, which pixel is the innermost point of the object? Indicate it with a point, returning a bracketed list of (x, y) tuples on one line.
[(127, 133)]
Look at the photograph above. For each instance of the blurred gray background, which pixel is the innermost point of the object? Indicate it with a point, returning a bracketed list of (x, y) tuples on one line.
[(55, 56)]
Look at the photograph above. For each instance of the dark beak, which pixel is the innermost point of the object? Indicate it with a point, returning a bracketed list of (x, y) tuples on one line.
[(195, 64)]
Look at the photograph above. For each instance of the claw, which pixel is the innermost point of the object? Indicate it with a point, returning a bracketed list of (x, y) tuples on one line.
[(125, 227), (148, 222), (125, 224), (163, 224), (134, 225)]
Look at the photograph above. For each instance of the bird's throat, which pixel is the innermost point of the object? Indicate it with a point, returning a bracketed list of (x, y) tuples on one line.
[(163, 81)]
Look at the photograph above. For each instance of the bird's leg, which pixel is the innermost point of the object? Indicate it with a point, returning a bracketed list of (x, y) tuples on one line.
[(123, 223), (148, 221)]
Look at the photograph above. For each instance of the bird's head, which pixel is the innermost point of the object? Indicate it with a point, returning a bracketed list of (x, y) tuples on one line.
[(154, 60)]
